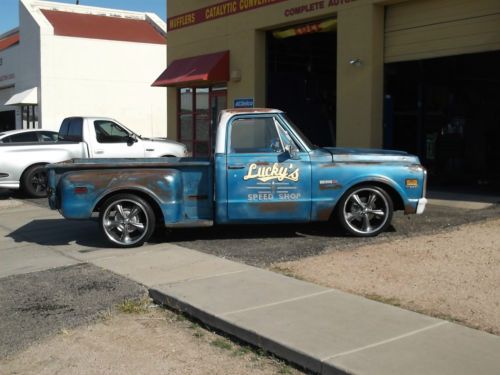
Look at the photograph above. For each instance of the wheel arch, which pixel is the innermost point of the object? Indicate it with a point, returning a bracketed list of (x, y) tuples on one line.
[(387, 186), (40, 163), (155, 205)]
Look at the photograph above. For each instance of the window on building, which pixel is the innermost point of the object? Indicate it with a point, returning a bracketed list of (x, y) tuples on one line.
[(198, 110), (29, 116)]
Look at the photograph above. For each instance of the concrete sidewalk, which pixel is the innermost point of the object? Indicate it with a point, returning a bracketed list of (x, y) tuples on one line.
[(321, 329)]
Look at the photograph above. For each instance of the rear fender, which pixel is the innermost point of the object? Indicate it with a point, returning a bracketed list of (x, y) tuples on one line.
[(82, 192)]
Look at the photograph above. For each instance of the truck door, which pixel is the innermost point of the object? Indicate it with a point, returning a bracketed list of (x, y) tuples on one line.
[(265, 182), (112, 141)]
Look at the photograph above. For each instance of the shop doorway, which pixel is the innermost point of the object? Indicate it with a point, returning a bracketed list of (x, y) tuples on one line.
[(447, 111), (301, 77), (7, 120), (198, 110)]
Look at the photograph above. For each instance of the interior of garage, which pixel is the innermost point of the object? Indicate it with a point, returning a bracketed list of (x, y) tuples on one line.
[(7, 120), (301, 77), (446, 110)]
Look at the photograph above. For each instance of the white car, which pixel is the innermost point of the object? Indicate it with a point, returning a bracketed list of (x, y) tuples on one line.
[(28, 136)]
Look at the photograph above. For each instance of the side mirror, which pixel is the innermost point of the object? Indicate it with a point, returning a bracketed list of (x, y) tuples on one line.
[(292, 151), (132, 138)]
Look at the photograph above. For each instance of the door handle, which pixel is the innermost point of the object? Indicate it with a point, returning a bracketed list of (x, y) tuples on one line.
[(236, 166), (99, 151)]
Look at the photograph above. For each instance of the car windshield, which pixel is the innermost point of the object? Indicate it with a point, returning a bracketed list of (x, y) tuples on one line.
[(296, 129)]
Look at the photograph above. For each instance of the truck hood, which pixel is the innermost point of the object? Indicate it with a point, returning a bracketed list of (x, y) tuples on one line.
[(370, 155), (163, 146)]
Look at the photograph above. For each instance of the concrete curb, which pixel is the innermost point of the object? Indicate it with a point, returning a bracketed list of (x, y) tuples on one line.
[(282, 351)]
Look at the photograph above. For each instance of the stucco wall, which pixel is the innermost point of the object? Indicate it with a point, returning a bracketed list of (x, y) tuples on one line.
[(81, 76), (359, 118), (103, 78)]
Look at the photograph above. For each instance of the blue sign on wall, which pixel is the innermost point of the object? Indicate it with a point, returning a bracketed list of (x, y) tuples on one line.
[(244, 103)]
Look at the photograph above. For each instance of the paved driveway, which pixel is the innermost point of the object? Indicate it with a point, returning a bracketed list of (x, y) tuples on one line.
[(258, 245)]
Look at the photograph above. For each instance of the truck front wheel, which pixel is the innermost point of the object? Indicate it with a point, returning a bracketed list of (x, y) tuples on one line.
[(127, 220), (365, 211)]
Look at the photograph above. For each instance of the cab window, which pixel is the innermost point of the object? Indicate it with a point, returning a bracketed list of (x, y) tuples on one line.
[(72, 130), (254, 135), (110, 132)]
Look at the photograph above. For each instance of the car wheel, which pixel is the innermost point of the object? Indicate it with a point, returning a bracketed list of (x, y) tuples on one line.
[(365, 211), (34, 181), (127, 220)]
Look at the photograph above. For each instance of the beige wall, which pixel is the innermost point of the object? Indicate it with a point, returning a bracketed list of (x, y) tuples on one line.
[(362, 34), (243, 35)]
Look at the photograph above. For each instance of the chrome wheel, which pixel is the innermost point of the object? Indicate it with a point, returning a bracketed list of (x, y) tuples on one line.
[(366, 211), (127, 221)]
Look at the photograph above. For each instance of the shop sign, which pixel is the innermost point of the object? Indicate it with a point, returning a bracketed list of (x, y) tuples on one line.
[(231, 7), (244, 103), (310, 28), (314, 6)]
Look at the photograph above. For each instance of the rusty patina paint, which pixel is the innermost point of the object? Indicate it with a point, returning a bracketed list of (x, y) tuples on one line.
[(102, 180), (329, 165), (261, 163), (324, 214), (278, 206), (197, 197), (361, 163), (330, 186), (409, 209)]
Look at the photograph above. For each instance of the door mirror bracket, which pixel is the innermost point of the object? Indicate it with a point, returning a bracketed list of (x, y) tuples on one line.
[(292, 151)]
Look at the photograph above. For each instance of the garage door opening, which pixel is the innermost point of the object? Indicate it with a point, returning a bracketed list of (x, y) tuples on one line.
[(446, 110), (7, 120), (301, 77)]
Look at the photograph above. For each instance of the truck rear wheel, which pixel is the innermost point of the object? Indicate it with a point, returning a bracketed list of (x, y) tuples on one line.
[(127, 220), (34, 181), (365, 211)]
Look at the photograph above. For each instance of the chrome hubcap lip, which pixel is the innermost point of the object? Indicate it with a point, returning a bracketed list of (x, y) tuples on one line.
[(366, 211), (125, 222)]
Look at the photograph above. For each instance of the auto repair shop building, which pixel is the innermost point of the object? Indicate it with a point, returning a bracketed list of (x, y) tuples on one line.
[(417, 75), (72, 60)]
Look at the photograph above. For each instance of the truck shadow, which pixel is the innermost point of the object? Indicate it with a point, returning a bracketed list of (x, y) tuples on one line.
[(86, 233), (250, 231), (60, 232)]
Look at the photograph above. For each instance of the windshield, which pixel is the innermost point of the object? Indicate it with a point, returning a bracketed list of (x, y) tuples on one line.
[(296, 129)]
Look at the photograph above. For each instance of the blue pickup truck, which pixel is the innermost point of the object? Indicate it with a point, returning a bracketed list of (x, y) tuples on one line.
[(263, 170)]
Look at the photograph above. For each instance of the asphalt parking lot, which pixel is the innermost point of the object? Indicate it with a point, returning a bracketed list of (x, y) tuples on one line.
[(39, 304), (262, 245)]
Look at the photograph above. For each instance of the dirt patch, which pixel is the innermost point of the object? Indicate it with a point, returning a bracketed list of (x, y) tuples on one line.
[(154, 342), (453, 275)]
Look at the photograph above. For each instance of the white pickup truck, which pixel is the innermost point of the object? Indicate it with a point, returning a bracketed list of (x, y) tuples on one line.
[(22, 165)]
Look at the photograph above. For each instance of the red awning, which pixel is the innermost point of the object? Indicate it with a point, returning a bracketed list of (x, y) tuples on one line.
[(9, 41), (212, 68)]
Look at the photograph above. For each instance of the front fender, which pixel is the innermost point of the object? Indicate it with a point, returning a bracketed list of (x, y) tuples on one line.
[(82, 191)]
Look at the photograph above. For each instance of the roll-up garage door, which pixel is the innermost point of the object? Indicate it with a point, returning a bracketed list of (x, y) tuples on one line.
[(421, 29)]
